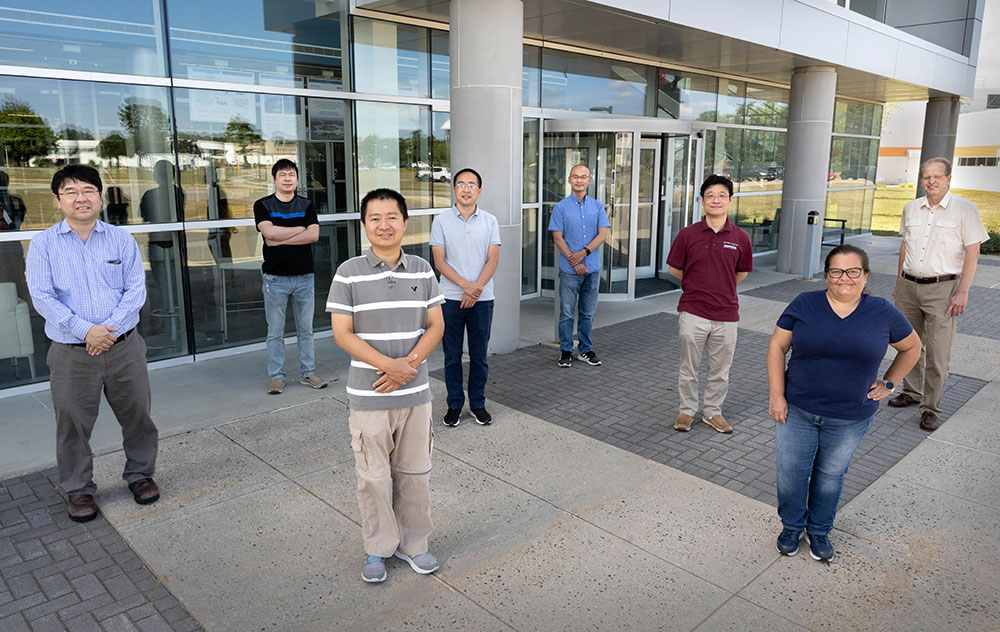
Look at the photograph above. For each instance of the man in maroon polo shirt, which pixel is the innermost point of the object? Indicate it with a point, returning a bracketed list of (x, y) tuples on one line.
[(709, 258)]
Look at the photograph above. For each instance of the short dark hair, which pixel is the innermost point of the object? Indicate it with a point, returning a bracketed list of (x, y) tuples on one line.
[(479, 178), (384, 194), (715, 179), (281, 165), (847, 249), (80, 173)]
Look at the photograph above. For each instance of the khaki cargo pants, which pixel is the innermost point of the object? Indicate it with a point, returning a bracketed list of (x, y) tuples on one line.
[(392, 458)]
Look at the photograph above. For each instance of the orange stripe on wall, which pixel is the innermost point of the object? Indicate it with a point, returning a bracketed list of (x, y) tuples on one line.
[(894, 152)]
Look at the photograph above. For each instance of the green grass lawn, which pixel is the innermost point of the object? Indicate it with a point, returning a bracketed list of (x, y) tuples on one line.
[(889, 203)]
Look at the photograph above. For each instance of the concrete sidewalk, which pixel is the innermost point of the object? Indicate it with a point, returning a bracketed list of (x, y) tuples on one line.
[(539, 527)]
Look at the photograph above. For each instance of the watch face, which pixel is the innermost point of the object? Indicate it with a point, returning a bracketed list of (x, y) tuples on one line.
[(890, 386)]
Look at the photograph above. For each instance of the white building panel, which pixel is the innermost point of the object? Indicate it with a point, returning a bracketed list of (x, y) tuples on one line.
[(811, 32), (870, 51)]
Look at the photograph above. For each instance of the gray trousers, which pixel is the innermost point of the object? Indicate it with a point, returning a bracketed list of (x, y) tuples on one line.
[(76, 380), (924, 305)]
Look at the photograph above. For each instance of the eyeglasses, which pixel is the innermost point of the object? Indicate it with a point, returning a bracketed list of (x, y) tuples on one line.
[(472, 186), (715, 196), (73, 193), (584, 177), (836, 273)]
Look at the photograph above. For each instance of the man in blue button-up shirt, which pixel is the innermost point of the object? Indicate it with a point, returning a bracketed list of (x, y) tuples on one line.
[(86, 280), (579, 226)]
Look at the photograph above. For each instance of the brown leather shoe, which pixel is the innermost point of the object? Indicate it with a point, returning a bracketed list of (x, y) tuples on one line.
[(144, 491), (929, 421), (683, 422), (902, 401), (719, 423), (81, 507)]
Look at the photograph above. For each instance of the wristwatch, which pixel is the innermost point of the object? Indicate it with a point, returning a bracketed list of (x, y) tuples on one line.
[(889, 385), (588, 250)]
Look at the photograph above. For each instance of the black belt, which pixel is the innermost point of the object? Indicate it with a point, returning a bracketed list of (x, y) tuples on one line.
[(120, 338), (937, 279)]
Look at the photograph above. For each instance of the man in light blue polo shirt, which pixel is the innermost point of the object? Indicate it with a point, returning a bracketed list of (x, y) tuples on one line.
[(465, 242), (579, 226)]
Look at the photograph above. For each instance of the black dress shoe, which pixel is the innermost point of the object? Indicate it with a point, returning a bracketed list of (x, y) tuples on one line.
[(144, 491), (902, 401), (929, 421), (81, 507)]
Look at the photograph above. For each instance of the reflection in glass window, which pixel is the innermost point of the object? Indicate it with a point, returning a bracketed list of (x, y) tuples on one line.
[(722, 153), (529, 175), (762, 167), (686, 96), (440, 172), (850, 117), (120, 129), (440, 65), (591, 84), (394, 151), (766, 106), (391, 58), (845, 205), (119, 37), (529, 251), (290, 43), (227, 142), (756, 214), (416, 241), (852, 162), (732, 101), (531, 78), (877, 120)]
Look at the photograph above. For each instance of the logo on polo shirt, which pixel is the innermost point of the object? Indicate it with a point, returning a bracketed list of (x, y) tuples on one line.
[(730, 245)]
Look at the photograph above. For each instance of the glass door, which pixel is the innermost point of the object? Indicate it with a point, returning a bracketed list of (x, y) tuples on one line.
[(647, 207)]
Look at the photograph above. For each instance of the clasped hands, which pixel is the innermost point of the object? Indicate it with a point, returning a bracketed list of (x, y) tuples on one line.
[(397, 372), (576, 260), (471, 290), (99, 339)]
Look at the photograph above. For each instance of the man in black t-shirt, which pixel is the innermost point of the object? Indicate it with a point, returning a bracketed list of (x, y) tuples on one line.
[(289, 225)]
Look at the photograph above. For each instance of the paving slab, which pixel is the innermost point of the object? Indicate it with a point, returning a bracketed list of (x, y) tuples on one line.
[(873, 587), (196, 469), (909, 517), (972, 428), (987, 398), (739, 615), (954, 470)]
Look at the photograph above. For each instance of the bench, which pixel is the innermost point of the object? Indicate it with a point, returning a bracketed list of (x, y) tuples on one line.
[(841, 229)]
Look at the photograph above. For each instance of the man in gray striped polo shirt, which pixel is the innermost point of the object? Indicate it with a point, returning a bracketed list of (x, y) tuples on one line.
[(386, 313)]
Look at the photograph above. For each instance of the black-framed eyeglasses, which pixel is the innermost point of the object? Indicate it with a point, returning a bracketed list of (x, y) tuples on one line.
[(836, 273)]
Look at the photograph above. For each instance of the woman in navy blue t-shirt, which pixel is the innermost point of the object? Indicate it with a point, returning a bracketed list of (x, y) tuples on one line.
[(825, 400)]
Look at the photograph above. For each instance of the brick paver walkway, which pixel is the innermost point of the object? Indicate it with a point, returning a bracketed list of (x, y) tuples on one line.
[(631, 402), (56, 574)]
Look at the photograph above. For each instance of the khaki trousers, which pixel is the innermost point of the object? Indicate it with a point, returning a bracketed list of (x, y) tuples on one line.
[(924, 305), (719, 339), (392, 458)]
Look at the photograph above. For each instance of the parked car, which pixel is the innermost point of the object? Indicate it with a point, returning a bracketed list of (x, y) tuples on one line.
[(437, 174)]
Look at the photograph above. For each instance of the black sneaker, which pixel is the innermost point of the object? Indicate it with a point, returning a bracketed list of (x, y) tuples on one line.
[(453, 417), (788, 541), (483, 418), (819, 547), (590, 358), (566, 359)]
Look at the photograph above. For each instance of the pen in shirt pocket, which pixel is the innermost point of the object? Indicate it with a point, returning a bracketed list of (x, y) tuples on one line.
[(115, 261)]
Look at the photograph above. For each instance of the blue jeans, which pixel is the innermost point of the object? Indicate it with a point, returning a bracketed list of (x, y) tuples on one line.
[(812, 454), (477, 320), (277, 289), (573, 287)]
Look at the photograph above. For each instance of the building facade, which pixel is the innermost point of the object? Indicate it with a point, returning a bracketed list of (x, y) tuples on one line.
[(184, 117)]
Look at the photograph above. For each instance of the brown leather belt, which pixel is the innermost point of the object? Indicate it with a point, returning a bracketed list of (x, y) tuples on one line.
[(120, 338), (937, 279)]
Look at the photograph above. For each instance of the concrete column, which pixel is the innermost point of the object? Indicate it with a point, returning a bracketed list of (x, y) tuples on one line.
[(807, 162), (486, 134), (940, 128)]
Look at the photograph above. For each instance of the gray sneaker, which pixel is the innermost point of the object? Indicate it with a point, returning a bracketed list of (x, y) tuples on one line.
[(276, 387), (314, 381), (373, 571), (424, 564)]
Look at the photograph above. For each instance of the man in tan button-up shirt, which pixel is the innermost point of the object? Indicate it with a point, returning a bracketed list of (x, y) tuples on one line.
[(937, 260)]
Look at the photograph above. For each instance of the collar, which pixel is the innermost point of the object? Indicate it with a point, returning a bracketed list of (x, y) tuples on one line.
[(943, 203), (458, 213), (376, 262), (64, 227), (578, 200), (728, 226)]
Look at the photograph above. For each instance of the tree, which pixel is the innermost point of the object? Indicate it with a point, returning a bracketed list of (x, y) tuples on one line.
[(147, 127), (242, 134), (72, 132), (112, 147), (23, 133)]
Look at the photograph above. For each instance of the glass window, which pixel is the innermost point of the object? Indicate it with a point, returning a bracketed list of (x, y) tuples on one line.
[(877, 120), (852, 162), (686, 96), (394, 150), (732, 101), (722, 153), (529, 251), (762, 167), (847, 206), (120, 129), (416, 241), (440, 173), (391, 58), (850, 117), (531, 79), (227, 142), (766, 106), (756, 215), (529, 175), (290, 43), (119, 37), (591, 84), (440, 65)]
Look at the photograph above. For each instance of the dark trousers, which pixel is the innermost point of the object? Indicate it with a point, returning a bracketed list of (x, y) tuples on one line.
[(76, 380), (477, 320)]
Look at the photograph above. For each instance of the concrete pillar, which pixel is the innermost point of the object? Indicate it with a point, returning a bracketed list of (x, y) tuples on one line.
[(940, 128), (807, 162), (486, 134)]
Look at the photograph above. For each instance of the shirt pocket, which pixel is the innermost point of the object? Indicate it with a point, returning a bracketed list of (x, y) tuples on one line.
[(913, 229), (114, 274), (948, 232)]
